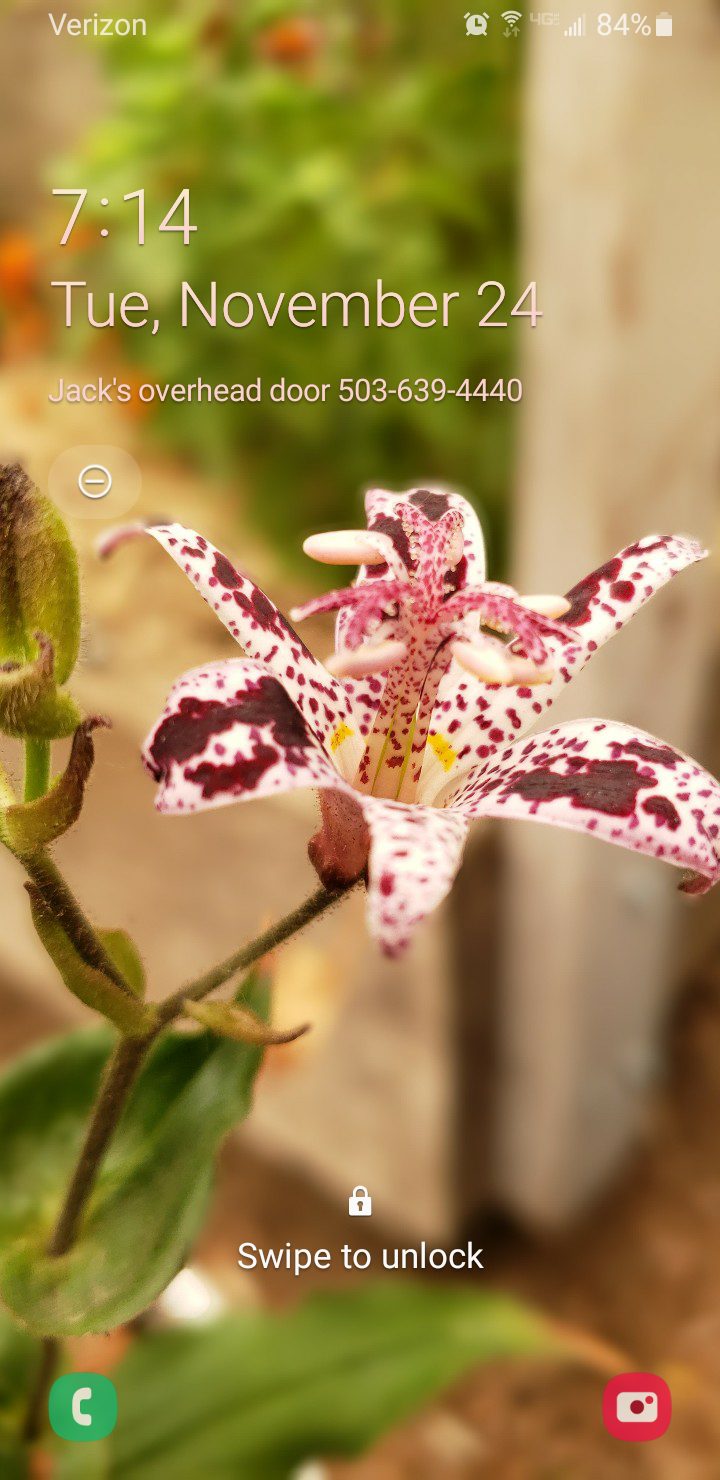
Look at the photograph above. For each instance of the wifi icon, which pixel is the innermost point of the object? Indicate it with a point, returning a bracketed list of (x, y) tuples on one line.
[(511, 18)]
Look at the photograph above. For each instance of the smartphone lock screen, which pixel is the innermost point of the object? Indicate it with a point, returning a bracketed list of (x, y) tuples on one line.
[(359, 741)]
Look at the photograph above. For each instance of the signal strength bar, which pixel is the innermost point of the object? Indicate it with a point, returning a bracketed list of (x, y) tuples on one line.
[(577, 28)]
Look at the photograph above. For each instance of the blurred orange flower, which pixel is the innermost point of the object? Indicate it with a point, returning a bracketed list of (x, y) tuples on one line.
[(292, 42), (18, 266)]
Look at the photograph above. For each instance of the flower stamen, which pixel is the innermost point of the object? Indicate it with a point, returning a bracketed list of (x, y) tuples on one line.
[(410, 619), (484, 660), (364, 661), (344, 547), (546, 605)]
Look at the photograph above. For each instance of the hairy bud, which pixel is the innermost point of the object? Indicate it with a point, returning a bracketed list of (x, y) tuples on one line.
[(39, 613), (339, 851), (26, 827), (39, 584)]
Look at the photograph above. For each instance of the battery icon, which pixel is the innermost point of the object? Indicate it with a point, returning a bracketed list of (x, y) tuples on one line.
[(663, 24)]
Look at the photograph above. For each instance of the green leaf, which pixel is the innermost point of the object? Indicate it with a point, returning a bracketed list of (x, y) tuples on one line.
[(91, 986), (255, 1395), (14, 1460), (229, 1020), (124, 953), (81, 1461), (151, 1195), (19, 1364)]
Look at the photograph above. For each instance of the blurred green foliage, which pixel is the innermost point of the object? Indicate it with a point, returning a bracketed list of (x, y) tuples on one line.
[(152, 1190), (323, 146), (255, 1395)]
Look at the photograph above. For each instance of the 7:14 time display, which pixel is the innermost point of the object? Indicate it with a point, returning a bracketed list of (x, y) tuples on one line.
[(176, 219)]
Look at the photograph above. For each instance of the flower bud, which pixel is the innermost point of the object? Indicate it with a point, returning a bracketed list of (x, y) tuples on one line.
[(339, 850), (39, 584), (229, 1020), (30, 704), (27, 826)]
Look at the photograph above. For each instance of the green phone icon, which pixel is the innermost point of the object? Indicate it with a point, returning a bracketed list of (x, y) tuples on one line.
[(83, 1406)]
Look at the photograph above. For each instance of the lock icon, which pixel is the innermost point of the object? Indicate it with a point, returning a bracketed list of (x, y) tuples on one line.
[(360, 1203)]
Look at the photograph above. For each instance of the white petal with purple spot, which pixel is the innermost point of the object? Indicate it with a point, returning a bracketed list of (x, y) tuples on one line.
[(610, 780)]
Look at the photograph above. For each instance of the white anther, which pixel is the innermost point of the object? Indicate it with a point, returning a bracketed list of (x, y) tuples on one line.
[(485, 662), (527, 672), (343, 547), (363, 661), (546, 606)]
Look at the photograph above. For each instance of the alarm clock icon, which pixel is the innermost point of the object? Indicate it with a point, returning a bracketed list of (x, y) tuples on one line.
[(476, 25)]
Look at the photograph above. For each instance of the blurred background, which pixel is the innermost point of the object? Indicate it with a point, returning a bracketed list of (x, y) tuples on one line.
[(543, 1068)]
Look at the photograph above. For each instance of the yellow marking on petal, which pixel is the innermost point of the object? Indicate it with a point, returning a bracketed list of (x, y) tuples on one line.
[(443, 750), (342, 733)]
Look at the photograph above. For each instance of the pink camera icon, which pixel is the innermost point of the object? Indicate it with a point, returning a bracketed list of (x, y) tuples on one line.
[(637, 1406)]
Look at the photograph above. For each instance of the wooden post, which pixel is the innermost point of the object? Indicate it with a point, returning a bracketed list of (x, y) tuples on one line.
[(621, 439)]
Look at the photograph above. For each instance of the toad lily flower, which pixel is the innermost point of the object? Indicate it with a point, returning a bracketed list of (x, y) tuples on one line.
[(414, 727)]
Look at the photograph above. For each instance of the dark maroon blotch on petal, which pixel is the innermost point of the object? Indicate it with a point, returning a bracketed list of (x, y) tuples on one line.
[(395, 531), (432, 505), (662, 809), (622, 590), (659, 755), (581, 596), (640, 548), (605, 786), (225, 572), (240, 775), (196, 721)]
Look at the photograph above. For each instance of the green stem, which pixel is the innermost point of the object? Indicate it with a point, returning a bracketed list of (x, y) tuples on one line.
[(274, 936), (122, 1070), (7, 795), (62, 904), (120, 1074), (37, 1407), (37, 769), (127, 1059)]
